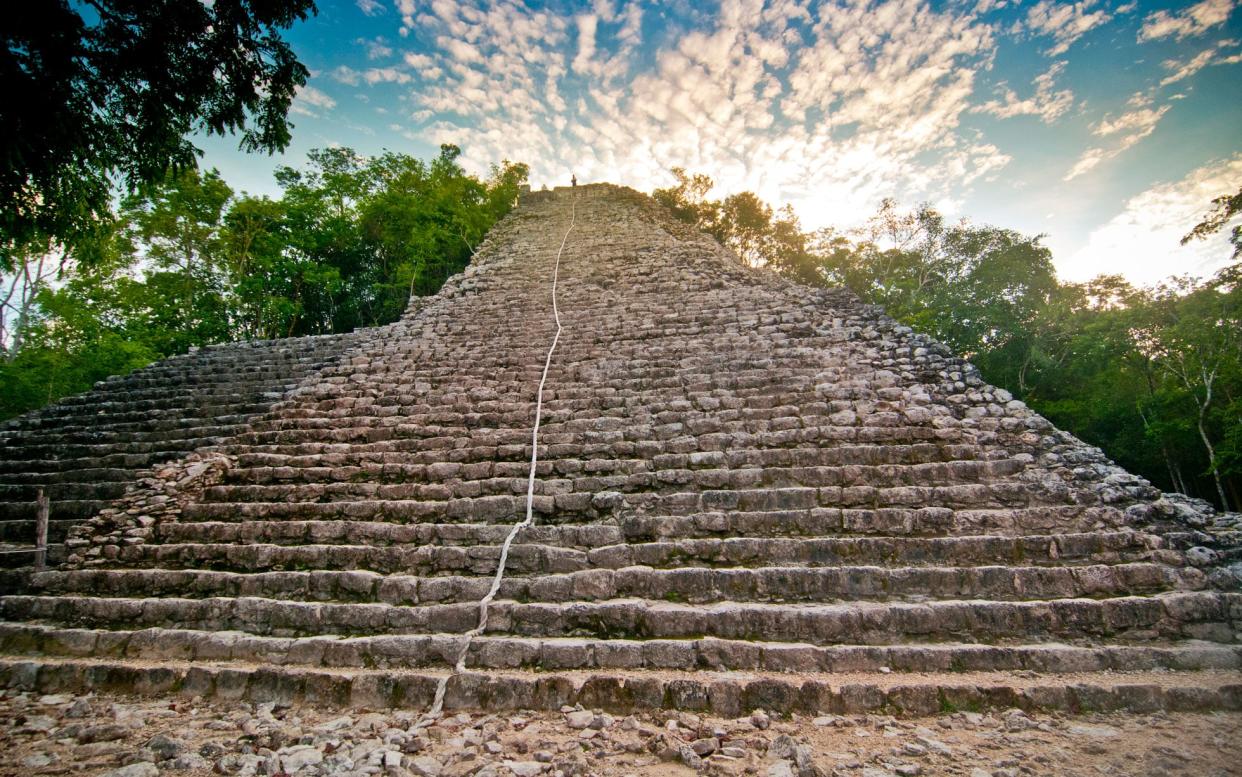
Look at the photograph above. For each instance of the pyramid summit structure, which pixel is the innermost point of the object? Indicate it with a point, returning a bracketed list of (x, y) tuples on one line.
[(748, 494)]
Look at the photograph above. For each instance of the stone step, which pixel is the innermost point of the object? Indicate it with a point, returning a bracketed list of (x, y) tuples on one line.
[(293, 532), (963, 496), (119, 460), (64, 491), (18, 555), (1169, 616), (24, 530), (636, 493), (814, 522), (845, 455), (13, 482), (389, 429), (605, 410), (638, 474), (687, 585), (192, 434), (60, 510), (170, 390), (531, 557), (607, 413), (620, 691), (417, 559), (131, 421), (173, 426), (714, 655), (349, 483), (757, 449), (32, 448), (970, 550), (163, 396), (171, 385), (497, 509), (891, 521)]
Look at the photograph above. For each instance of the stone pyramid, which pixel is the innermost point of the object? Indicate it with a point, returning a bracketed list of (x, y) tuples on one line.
[(749, 494)]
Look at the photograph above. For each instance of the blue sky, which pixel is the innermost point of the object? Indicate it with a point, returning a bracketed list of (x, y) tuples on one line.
[(1107, 126)]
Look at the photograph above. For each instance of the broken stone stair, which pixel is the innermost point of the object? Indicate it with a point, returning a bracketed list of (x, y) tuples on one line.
[(85, 450)]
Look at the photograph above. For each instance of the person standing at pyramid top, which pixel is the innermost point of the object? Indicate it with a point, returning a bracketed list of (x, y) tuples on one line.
[(573, 180)]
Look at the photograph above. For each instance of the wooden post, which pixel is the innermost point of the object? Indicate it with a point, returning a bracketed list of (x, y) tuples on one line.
[(44, 505)]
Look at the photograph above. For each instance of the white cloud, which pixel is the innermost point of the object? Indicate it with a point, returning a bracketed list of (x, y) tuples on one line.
[(1135, 125), (1129, 127), (1143, 241), (461, 51), (406, 9), (1182, 70), (425, 65), (1064, 22), (372, 76), (370, 7), (418, 61), (385, 75), (586, 43), (1195, 20), (312, 96), (831, 106), (1047, 102), (346, 75), (376, 49)]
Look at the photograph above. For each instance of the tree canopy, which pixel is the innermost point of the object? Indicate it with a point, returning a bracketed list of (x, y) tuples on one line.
[(108, 91)]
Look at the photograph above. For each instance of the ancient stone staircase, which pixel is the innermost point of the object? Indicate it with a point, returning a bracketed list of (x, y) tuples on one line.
[(85, 450), (749, 494)]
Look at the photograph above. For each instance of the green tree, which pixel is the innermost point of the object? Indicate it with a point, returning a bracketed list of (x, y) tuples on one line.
[(1195, 336), (322, 203), (382, 230), (79, 331), (114, 88), (687, 200), (273, 287), (176, 228), (426, 220)]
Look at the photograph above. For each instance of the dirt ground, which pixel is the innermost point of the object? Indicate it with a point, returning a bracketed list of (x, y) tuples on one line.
[(132, 737)]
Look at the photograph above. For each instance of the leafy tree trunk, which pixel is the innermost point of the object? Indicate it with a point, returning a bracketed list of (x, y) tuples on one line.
[(1175, 471), (26, 284), (1211, 450), (1204, 403)]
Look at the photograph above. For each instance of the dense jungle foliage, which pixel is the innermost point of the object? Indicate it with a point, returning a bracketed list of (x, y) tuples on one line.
[(1151, 375)]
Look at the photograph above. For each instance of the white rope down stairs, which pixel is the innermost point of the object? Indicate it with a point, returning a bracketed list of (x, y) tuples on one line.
[(437, 705)]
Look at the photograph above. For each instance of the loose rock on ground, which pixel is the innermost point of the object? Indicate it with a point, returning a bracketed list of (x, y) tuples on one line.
[(120, 736)]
